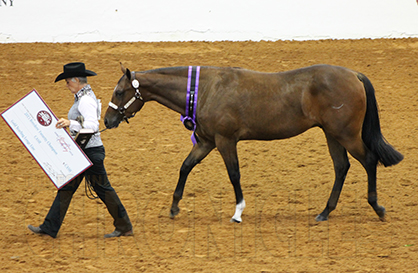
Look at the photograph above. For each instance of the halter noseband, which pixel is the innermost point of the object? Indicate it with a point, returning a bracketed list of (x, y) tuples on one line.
[(137, 95)]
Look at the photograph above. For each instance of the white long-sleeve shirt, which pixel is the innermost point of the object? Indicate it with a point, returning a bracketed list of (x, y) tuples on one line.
[(88, 106), (88, 109)]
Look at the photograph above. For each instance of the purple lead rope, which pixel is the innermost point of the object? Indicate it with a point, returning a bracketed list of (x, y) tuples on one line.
[(191, 101)]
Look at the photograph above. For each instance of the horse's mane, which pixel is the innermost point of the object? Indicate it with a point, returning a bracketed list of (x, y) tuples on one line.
[(180, 69), (166, 70)]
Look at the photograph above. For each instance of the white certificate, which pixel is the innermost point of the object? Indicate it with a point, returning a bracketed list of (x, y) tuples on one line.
[(54, 149)]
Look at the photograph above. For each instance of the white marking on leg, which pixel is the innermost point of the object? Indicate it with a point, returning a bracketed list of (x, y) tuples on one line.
[(238, 212)]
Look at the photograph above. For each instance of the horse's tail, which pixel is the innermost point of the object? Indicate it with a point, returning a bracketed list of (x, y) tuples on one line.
[(371, 134)]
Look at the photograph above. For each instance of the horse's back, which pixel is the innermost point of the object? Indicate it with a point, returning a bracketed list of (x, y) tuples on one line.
[(259, 105)]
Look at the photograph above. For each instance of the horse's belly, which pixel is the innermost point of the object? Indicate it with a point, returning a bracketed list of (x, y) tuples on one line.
[(276, 131)]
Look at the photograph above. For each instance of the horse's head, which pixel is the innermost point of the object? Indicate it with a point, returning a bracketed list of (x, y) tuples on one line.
[(126, 100)]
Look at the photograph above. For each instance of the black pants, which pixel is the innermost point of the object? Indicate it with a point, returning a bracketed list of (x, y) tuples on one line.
[(97, 177)]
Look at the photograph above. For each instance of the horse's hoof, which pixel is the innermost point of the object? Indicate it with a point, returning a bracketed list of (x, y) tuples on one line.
[(321, 218), (381, 212), (174, 212), (233, 220)]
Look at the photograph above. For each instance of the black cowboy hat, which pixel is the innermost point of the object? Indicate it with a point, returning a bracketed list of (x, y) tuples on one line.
[(72, 70)]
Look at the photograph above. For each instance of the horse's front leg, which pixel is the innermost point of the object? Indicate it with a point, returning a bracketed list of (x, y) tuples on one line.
[(197, 154), (228, 150)]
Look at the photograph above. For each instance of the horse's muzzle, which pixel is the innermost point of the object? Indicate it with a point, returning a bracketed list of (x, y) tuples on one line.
[(111, 122)]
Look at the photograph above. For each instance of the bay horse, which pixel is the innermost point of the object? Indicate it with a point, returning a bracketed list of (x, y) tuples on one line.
[(236, 104)]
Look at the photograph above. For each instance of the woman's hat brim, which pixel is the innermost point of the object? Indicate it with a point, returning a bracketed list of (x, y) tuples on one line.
[(68, 74)]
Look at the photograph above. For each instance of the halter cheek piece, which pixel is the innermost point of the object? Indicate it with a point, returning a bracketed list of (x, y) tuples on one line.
[(122, 109)]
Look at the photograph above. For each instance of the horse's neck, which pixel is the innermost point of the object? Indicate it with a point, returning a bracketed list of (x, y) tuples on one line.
[(168, 90)]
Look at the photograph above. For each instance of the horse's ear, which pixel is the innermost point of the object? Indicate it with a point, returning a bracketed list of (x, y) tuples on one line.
[(122, 68), (128, 74), (125, 71)]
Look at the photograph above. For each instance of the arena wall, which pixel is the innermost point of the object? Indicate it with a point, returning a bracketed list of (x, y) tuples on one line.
[(215, 20)]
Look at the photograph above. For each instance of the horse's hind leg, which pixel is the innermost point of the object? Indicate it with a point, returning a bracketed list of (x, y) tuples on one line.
[(341, 166), (371, 169), (369, 161), (197, 154)]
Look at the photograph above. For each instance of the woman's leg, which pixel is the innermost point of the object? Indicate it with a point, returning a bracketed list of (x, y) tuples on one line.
[(56, 214)]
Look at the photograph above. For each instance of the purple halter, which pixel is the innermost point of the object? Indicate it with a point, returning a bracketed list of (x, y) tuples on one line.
[(189, 119)]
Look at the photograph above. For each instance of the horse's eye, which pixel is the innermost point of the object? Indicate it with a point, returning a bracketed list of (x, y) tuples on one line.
[(119, 93)]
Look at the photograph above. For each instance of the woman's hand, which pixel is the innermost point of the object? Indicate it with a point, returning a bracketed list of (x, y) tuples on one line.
[(62, 122)]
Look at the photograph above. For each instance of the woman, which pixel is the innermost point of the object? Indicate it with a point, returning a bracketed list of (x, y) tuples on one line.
[(85, 114)]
